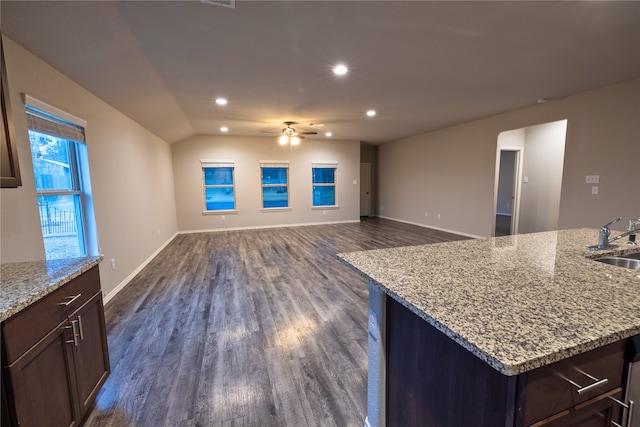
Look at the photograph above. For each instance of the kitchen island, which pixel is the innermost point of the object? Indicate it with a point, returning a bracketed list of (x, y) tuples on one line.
[(502, 310)]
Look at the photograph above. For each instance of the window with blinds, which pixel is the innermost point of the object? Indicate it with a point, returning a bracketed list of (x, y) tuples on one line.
[(219, 185), (323, 184), (275, 185), (57, 151)]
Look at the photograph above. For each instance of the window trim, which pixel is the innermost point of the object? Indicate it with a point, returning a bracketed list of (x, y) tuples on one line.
[(219, 163), (275, 164), (317, 164)]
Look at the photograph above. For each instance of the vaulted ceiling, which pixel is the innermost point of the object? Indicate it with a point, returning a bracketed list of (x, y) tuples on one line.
[(421, 65)]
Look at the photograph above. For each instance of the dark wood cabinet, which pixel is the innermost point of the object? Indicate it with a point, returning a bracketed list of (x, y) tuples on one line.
[(433, 381), (9, 165), (90, 355), (53, 379), (42, 383)]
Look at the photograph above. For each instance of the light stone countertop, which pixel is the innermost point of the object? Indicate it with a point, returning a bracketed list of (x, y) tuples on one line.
[(23, 283), (517, 302)]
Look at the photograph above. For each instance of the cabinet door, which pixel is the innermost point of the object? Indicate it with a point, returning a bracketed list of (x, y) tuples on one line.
[(90, 353), (598, 412), (42, 383)]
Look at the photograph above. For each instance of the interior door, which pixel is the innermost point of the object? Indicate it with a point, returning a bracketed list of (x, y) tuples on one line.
[(365, 189)]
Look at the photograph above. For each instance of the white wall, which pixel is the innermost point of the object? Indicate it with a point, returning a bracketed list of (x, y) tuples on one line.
[(247, 152), (131, 174), (452, 171), (543, 160)]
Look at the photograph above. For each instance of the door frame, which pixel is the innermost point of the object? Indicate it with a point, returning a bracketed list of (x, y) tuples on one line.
[(368, 165), (517, 187)]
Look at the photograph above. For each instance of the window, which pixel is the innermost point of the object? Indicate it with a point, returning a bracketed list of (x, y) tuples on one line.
[(219, 185), (61, 173), (275, 185), (323, 177)]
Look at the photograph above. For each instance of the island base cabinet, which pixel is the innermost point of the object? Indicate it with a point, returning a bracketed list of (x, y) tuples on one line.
[(54, 382), (433, 381)]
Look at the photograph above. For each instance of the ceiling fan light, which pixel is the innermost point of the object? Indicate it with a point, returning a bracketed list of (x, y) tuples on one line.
[(295, 140), (340, 70), (283, 140)]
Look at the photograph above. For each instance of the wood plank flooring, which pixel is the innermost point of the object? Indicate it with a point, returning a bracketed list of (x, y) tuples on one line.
[(246, 328)]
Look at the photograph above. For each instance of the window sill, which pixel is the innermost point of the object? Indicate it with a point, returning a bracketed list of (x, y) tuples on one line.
[(275, 209), (324, 208), (229, 212)]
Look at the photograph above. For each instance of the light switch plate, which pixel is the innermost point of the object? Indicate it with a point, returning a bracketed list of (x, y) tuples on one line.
[(594, 189), (592, 179)]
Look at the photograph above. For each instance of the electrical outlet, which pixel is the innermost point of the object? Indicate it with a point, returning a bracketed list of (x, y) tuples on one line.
[(113, 263), (158, 231), (324, 212), (426, 214), (355, 182), (594, 189), (438, 216), (223, 218), (592, 179)]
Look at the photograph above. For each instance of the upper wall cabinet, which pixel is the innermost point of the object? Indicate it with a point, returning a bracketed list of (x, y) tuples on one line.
[(9, 167)]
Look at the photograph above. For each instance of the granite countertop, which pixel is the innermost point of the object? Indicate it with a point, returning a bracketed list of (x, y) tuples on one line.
[(517, 302), (23, 283)]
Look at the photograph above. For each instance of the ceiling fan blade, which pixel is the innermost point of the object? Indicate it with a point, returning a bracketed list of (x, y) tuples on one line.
[(307, 133)]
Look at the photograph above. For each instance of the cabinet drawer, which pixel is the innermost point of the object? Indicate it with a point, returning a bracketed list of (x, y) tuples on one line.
[(24, 329), (547, 391)]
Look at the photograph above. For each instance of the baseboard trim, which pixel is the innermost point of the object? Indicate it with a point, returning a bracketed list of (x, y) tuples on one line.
[(108, 297), (446, 230), (258, 227)]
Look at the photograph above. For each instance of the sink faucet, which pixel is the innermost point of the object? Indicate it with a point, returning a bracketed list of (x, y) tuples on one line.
[(604, 241)]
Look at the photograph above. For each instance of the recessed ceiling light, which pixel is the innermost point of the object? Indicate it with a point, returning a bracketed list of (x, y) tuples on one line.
[(221, 101), (340, 70), (328, 134), (224, 129), (371, 113)]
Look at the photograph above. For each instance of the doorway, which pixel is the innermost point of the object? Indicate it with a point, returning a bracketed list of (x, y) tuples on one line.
[(506, 223), (365, 189), (536, 178)]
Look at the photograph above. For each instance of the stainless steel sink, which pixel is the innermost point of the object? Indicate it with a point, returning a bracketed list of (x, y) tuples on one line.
[(631, 256), (630, 261)]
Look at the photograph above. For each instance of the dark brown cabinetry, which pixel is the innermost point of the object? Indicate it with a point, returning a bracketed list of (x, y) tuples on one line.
[(439, 383), (9, 166), (55, 355)]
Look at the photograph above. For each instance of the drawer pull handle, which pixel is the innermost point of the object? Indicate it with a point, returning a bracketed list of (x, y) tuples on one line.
[(73, 298), (628, 407), (74, 341), (588, 388), (80, 327)]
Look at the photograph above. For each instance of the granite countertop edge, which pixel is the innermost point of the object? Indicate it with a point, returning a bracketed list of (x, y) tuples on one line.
[(510, 367), (24, 283)]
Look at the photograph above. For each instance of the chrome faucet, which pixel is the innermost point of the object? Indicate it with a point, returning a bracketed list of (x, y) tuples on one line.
[(604, 241)]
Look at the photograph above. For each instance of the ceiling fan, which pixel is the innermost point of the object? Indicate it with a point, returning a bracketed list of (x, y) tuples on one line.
[(289, 135)]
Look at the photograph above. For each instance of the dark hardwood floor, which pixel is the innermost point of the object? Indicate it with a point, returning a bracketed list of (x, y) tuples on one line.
[(246, 328)]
